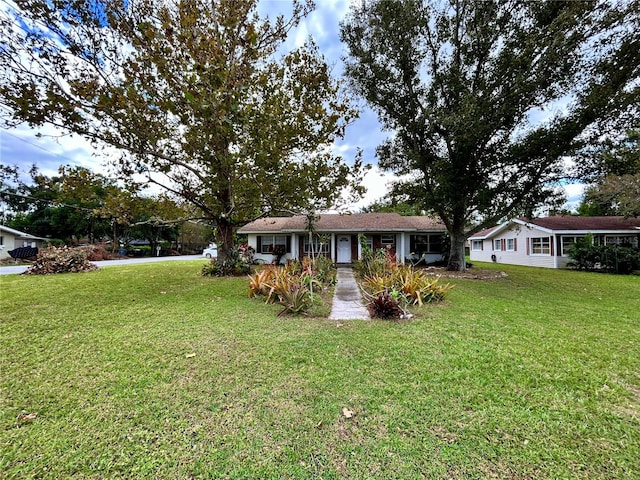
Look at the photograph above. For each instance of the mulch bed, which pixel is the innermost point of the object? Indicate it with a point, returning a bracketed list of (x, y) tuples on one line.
[(471, 273)]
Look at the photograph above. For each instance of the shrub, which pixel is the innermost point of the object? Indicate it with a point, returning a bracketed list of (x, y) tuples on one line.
[(246, 252), (385, 306), (296, 299), (586, 255), (278, 252), (259, 283), (412, 284), (325, 270), (234, 264), (61, 260)]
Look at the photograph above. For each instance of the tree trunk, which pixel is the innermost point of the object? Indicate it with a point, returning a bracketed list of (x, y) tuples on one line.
[(457, 260), (224, 238)]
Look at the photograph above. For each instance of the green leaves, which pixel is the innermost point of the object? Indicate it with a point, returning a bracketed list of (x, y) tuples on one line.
[(192, 93), (465, 88)]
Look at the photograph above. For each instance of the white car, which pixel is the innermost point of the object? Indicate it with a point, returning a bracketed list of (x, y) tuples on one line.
[(211, 251)]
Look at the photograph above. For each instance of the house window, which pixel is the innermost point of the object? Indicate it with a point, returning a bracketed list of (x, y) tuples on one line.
[(623, 241), (420, 244), (476, 245), (1, 240), (497, 244), (511, 244), (369, 242), (269, 242), (318, 247), (387, 239), (540, 246), (567, 241)]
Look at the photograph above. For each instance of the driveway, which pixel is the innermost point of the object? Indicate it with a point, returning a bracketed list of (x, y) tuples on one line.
[(107, 263)]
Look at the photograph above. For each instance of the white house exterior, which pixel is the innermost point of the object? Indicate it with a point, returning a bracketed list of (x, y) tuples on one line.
[(411, 238), (11, 239), (544, 242)]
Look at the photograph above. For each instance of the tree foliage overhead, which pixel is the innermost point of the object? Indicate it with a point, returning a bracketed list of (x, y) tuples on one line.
[(613, 171), (483, 99), (192, 92)]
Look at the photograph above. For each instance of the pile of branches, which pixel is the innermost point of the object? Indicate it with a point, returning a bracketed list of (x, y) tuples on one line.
[(61, 260)]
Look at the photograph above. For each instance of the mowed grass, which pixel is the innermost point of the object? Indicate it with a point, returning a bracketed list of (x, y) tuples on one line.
[(152, 371)]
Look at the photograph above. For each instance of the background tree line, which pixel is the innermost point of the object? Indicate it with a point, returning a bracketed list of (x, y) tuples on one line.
[(78, 205)]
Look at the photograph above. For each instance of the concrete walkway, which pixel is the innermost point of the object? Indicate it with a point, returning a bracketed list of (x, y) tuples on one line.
[(347, 300)]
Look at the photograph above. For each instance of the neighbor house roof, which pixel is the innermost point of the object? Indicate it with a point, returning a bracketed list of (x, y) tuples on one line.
[(20, 234), (568, 224), (354, 222)]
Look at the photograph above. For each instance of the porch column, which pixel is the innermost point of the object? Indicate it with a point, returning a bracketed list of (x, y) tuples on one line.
[(401, 249), (294, 246), (334, 253), (359, 246)]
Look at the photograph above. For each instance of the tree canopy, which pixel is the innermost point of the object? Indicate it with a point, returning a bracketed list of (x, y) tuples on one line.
[(77, 204), (614, 176), (484, 100), (193, 93)]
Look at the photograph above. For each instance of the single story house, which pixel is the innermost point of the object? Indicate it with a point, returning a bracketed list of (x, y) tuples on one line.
[(545, 242), (11, 239), (410, 238)]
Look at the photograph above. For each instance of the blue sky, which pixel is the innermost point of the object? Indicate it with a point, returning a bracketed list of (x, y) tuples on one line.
[(21, 146)]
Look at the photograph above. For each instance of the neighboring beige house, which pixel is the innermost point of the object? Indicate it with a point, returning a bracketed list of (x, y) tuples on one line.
[(410, 238), (544, 242), (11, 239)]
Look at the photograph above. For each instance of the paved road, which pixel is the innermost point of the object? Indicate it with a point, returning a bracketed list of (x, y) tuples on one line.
[(107, 263)]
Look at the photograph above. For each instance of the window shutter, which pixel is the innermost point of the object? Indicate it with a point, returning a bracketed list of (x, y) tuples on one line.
[(528, 249), (515, 244), (503, 244), (259, 244), (288, 243), (551, 245)]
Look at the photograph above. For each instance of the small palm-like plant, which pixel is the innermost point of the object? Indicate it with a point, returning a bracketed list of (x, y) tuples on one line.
[(259, 283), (296, 299)]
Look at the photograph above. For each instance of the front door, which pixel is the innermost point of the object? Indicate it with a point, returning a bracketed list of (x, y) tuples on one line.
[(344, 249)]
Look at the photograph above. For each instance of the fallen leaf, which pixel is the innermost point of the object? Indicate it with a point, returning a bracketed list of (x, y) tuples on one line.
[(163, 293), (25, 417), (68, 335), (339, 325), (347, 412), (190, 355)]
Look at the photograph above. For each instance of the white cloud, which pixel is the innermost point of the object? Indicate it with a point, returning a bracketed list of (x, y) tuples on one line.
[(378, 185)]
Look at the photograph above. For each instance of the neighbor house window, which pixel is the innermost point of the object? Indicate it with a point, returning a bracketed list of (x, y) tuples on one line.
[(318, 247), (476, 245), (511, 244), (497, 244), (269, 242), (420, 244), (621, 240), (540, 246), (387, 239), (567, 241)]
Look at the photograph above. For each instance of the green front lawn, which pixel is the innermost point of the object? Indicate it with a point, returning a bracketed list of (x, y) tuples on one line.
[(152, 371)]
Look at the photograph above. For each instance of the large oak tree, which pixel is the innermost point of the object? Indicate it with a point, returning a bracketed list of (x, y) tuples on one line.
[(484, 99), (195, 94)]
